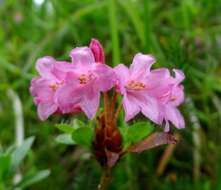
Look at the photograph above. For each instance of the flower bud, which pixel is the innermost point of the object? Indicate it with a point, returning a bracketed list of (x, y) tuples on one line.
[(97, 50)]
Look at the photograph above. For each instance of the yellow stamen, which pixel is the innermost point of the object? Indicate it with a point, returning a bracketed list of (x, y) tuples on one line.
[(173, 98), (135, 85), (83, 78), (55, 85)]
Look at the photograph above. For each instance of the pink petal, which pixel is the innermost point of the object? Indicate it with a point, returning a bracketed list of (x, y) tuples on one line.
[(159, 84), (97, 50), (158, 78), (150, 110), (72, 79), (173, 115), (61, 68), (179, 75), (82, 56), (177, 95), (44, 66), (106, 78), (70, 109), (141, 65), (90, 102), (67, 97), (161, 73), (161, 90), (40, 88), (122, 76), (46, 109), (149, 106), (130, 106)]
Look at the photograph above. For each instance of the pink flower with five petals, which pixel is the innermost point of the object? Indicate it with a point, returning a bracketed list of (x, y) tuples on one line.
[(84, 82), (134, 84), (169, 94), (44, 87)]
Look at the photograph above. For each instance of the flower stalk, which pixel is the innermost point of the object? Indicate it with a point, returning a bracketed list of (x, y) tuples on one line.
[(105, 179), (106, 108), (116, 115), (113, 103)]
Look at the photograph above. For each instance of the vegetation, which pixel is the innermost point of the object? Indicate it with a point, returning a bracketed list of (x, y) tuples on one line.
[(180, 33)]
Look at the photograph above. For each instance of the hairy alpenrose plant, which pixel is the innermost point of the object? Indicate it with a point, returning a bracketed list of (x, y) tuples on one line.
[(72, 87)]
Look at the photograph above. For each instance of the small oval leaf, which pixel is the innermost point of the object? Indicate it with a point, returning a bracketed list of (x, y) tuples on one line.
[(137, 132), (65, 127), (65, 139), (83, 136)]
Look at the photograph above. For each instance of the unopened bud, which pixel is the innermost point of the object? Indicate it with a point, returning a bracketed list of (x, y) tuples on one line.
[(97, 50)]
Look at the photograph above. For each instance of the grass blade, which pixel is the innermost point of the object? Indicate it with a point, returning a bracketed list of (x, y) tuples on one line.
[(129, 8), (114, 31)]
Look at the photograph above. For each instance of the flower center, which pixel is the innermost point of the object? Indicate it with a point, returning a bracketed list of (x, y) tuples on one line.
[(84, 78), (135, 85), (173, 98), (55, 85)]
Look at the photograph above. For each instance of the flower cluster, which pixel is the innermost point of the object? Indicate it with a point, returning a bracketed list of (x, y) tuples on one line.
[(70, 87)]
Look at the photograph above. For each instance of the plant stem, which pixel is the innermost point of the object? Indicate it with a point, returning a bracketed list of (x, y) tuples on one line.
[(117, 112), (106, 108), (105, 179), (113, 103)]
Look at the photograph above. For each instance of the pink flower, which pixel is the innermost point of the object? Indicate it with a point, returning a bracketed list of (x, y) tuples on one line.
[(154, 93), (169, 94), (134, 84), (44, 87), (84, 82), (97, 50), (64, 87)]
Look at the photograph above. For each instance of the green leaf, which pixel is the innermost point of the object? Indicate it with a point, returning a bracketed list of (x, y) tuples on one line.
[(4, 165), (19, 153), (78, 123), (33, 178), (123, 131), (65, 139), (83, 136), (137, 132), (65, 127)]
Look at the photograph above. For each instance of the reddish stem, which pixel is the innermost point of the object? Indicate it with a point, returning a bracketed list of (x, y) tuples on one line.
[(113, 103), (105, 179), (106, 108), (117, 112)]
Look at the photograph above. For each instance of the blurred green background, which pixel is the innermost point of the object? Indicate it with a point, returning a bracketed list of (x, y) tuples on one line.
[(185, 34)]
